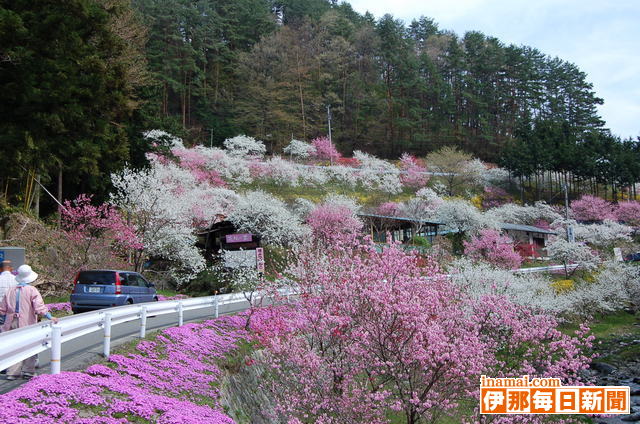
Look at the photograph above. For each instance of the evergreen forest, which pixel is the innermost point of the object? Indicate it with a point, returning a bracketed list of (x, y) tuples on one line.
[(82, 79)]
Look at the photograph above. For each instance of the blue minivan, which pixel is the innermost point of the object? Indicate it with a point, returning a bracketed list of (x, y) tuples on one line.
[(97, 289)]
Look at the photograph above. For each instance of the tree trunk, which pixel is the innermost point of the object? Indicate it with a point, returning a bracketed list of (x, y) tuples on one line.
[(60, 195), (36, 208)]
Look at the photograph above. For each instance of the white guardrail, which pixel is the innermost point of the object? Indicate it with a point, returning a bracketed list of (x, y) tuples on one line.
[(570, 267), (22, 343)]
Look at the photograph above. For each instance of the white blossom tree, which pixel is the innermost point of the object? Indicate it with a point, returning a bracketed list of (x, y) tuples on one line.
[(260, 213), (243, 146), (299, 149), (567, 253), (602, 235)]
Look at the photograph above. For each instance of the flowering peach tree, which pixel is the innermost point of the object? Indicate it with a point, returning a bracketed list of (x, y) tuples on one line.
[(375, 334), (491, 246), (592, 208)]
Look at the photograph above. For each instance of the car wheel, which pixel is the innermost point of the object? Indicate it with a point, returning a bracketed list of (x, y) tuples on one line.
[(155, 299), (129, 301)]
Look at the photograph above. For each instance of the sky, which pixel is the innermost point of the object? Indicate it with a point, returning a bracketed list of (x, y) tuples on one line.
[(602, 37)]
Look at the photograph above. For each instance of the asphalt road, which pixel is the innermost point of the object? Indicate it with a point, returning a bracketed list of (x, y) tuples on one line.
[(78, 354)]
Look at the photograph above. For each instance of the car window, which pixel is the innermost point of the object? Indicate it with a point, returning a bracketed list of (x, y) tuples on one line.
[(139, 280), (97, 277), (127, 279), (143, 281)]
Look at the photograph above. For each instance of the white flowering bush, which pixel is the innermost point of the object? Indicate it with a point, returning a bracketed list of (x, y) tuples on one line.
[(243, 146), (260, 213), (481, 279), (526, 215), (277, 171), (615, 287), (302, 207), (602, 235), (376, 173), (299, 149), (579, 254), (461, 216)]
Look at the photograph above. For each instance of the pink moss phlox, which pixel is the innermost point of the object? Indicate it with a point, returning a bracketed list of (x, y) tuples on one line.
[(169, 380)]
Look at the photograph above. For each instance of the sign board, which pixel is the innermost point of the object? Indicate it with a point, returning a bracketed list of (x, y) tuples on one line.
[(238, 238), (570, 235), (239, 258), (260, 259), (618, 253), (14, 254)]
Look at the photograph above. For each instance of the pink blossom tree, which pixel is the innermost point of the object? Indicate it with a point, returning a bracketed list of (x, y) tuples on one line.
[(325, 149), (414, 171), (389, 209), (591, 208), (97, 230), (370, 335), (489, 245), (329, 219), (495, 196), (629, 213)]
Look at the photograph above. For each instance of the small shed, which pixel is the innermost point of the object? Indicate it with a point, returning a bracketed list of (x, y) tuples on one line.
[(531, 241), (223, 235), (401, 229)]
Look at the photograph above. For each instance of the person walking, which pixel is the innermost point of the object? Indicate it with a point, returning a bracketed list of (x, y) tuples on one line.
[(20, 307), (7, 279)]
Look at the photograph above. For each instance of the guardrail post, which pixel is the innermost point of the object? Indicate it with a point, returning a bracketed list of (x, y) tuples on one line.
[(56, 348), (216, 306), (143, 322), (107, 335), (180, 314)]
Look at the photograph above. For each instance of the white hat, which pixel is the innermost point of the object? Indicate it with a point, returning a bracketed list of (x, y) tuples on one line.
[(25, 275)]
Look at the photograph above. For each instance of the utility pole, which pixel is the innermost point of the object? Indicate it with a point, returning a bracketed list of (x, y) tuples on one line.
[(211, 138), (329, 120), (570, 236)]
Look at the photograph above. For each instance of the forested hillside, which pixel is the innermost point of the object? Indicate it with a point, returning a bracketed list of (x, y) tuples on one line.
[(82, 79), (270, 69)]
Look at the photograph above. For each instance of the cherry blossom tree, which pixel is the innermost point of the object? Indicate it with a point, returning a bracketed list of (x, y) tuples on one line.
[(591, 208), (389, 209), (489, 245), (99, 233)]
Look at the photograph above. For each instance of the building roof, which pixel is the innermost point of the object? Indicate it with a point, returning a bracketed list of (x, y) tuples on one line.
[(529, 228), (399, 218)]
